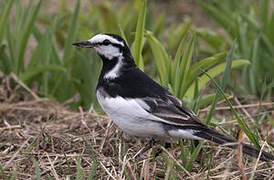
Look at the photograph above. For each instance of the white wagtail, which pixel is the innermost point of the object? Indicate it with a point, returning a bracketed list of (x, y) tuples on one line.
[(140, 106)]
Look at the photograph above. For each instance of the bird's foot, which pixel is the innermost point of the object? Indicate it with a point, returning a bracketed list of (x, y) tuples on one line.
[(146, 148), (160, 150), (150, 144)]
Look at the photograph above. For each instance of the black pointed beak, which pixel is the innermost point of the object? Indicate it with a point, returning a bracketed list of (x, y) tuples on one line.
[(85, 44)]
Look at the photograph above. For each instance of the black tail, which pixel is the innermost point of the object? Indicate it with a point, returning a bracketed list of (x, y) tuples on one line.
[(214, 136)]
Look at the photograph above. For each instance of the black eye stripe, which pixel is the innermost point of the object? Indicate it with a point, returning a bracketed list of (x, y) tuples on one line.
[(113, 44)]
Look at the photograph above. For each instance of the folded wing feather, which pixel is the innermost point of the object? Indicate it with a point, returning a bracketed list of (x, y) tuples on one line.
[(171, 110)]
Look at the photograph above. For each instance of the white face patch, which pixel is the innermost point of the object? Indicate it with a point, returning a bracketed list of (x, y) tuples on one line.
[(108, 52), (99, 38)]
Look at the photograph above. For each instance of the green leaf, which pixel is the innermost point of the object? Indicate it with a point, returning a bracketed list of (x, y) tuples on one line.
[(223, 82), (227, 71), (37, 169), (80, 170), (161, 58), (63, 80), (193, 156), (108, 18), (213, 72), (176, 35), (68, 48), (126, 16), (123, 34), (4, 18), (220, 15), (265, 11), (24, 36), (159, 25), (206, 100), (5, 61), (26, 76), (214, 40), (179, 53), (184, 67), (254, 71), (205, 64), (244, 126), (95, 163), (139, 36), (2, 172), (92, 171)]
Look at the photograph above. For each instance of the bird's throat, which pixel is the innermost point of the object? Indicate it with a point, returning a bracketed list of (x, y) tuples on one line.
[(111, 67)]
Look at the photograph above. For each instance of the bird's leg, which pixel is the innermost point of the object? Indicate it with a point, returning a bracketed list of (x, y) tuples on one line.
[(160, 150), (146, 148)]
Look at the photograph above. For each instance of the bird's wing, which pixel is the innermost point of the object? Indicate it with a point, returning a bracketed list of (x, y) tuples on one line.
[(171, 110)]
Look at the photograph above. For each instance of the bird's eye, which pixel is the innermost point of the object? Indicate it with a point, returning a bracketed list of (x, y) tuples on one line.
[(106, 42)]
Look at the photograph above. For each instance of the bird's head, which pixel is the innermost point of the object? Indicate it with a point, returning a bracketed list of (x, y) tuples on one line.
[(113, 51), (108, 46)]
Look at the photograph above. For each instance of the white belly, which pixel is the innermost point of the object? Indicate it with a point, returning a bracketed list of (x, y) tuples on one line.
[(129, 116)]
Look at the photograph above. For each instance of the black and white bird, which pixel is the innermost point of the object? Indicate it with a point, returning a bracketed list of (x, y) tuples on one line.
[(141, 107)]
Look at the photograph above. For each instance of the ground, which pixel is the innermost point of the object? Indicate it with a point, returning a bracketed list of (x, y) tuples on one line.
[(39, 135)]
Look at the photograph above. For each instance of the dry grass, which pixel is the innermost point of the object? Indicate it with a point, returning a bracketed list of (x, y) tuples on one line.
[(67, 144)]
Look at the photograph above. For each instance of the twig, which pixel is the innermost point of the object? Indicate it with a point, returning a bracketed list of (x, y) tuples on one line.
[(170, 155), (107, 171), (24, 86), (130, 171), (124, 162), (83, 119), (15, 154), (146, 168), (240, 155), (257, 161), (154, 169), (244, 110), (106, 135), (10, 128), (52, 167), (222, 164), (239, 106), (167, 173), (143, 169)]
